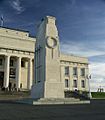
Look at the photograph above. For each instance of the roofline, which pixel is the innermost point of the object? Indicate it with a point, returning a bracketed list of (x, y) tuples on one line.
[(15, 29), (67, 54)]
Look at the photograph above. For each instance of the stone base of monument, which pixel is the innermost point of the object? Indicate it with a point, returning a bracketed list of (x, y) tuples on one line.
[(53, 101)]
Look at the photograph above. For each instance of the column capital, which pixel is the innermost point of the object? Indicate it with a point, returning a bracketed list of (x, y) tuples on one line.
[(8, 56), (19, 57), (30, 58)]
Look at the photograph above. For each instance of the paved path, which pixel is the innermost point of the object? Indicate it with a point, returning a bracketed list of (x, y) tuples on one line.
[(14, 111)]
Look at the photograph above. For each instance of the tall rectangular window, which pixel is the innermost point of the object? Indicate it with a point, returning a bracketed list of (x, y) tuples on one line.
[(11, 63), (83, 84), (82, 71), (75, 71), (66, 83), (22, 63), (1, 61), (67, 70), (12, 73), (75, 83)]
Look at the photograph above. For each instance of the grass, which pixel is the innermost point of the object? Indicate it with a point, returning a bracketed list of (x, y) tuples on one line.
[(98, 95)]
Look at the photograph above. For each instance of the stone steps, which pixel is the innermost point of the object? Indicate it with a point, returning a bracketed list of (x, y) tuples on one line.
[(57, 100)]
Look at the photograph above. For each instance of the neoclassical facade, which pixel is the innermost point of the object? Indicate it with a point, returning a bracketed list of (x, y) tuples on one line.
[(16, 59), (55, 72)]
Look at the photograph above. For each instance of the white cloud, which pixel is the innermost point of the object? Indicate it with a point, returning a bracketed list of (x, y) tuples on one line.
[(97, 70), (16, 5), (82, 48)]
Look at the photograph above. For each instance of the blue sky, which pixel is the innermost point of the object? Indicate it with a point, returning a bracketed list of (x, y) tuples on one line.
[(81, 25)]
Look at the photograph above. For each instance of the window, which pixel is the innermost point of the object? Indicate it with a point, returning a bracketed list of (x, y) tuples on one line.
[(83, 84), (75, 83), (1, 61), (82, 71), (12, 73), (22, 63), (20, 85), (66, 83), (67, 70), (75, 71), (11, 63)]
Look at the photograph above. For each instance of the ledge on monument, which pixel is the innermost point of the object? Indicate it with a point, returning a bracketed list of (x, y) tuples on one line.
[(53, 101)]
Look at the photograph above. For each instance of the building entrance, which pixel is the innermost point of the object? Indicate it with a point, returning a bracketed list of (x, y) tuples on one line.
[(1, 79)]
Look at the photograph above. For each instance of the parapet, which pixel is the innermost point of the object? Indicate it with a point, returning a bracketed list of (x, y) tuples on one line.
[(74, 58), (13, 33)]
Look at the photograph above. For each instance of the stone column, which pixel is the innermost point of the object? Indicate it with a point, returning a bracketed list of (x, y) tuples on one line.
[(18, 73), (6, 74), (78, 80), (29, 82)]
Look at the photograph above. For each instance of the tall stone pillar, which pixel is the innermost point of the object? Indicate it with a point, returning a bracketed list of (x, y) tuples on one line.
[(29, 83), (48, 82), (18, 73), (6, 74)]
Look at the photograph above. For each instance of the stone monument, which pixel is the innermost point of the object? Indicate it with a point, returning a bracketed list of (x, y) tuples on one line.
[(47, 82)]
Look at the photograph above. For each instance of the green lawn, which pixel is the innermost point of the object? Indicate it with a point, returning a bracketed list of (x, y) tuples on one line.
[(98, 94)]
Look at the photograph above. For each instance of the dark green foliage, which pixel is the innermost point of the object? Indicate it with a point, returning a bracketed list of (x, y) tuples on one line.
[(98, 94)]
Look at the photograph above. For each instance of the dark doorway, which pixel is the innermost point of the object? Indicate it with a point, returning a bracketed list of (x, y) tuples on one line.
[(10, 86), (1, 79)]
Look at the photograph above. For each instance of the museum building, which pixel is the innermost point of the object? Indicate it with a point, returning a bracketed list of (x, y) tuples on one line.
[(16, 59), (17, 49)]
